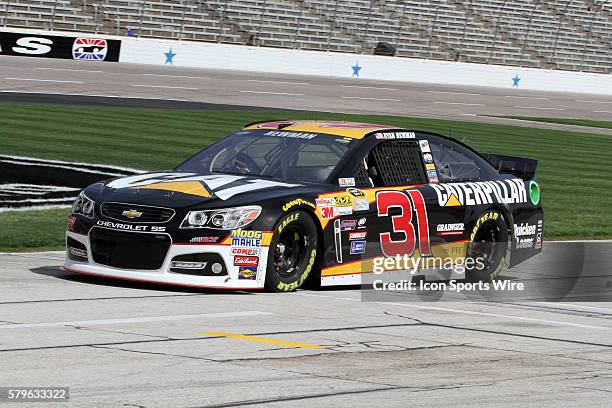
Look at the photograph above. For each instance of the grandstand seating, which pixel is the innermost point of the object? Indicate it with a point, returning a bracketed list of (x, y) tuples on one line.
[(557, 34)]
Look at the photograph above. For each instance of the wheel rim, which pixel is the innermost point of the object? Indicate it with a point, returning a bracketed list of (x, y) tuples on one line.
[(290, 250), (485, 245)]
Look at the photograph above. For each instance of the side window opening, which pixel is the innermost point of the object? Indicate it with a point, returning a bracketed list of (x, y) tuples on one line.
[(391, 163), (453, 164)]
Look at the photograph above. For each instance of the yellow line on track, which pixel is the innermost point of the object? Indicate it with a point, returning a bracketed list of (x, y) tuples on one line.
[(263, 340)]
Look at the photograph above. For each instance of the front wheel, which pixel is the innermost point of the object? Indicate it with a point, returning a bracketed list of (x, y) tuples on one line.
[(293, 252), (487, 247)]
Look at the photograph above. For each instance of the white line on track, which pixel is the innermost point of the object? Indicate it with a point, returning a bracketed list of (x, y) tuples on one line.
[(371, 99), (468, 114), (368, 87), (165, 87), (454, 93), (602, 111), (570, 306), (537, 107), (142, 319), (97, 95), (272, 93), (69, 69), (469, 312), (177, 76), (459, 103), (277, 82), (526, 97), (43, 80), (581, 100)]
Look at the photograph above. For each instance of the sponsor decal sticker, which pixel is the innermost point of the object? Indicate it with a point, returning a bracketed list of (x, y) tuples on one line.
[(344, 210), (325, 202), (511, 191), (346, 182), (247, 273), (344, 201), (361, 223), (434, 180), (450, 229), (328, 213), (204, 240), (245, 251), (246, 238), (361, 204), (538, 243), (523, 243), (430, 166), (358, 247), (427, 158), (424, 144), (358, 235), (348, 225), (240, 260), (432, 173), (355, 192), (524, 229)]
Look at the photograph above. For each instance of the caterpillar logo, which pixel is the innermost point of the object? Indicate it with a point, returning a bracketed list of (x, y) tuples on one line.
[(482, 192)]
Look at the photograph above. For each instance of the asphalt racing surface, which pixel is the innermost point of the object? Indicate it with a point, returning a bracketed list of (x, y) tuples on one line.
[(123, 344), (133, 84)]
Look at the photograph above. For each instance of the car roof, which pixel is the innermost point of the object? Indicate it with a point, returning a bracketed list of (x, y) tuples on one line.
[(353, 130)]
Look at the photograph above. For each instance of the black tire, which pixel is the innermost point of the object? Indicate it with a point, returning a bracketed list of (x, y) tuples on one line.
[(488, 243), (293, 252)]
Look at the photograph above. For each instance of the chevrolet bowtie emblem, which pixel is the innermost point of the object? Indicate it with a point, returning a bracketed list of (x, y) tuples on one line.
[(131, 214)]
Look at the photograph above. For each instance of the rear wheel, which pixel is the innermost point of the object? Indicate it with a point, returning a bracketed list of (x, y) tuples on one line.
[(293, 252), (487, 247)]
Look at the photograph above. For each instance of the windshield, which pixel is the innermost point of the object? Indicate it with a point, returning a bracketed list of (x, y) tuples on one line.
[(276, 154)]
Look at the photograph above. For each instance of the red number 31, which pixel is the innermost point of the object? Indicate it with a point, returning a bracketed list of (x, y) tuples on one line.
[(402, 223)]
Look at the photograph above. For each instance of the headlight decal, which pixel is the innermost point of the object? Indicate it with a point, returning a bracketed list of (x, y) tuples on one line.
[(83, 205), (225, 219)]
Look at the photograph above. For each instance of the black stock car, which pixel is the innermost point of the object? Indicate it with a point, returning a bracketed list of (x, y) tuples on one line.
[(278, 201)]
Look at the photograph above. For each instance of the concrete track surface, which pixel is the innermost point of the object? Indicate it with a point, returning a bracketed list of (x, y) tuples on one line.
[(134, 345)]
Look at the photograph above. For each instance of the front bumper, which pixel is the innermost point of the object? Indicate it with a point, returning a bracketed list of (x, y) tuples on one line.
[(234, 279)]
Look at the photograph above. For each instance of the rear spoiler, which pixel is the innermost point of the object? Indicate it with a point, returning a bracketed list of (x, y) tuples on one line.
[(519, 166)]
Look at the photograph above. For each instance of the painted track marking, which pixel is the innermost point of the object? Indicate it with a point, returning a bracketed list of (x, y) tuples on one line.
[(263, 340)]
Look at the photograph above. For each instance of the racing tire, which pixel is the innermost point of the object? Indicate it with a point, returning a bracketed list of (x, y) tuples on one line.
[(488, 243), (293, 252)]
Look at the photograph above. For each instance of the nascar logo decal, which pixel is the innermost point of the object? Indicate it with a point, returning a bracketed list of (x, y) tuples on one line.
[(89, 49)]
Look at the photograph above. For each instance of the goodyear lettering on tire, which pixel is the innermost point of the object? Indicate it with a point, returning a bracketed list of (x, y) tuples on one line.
[(293, 217), (294, 285), (482, 220)]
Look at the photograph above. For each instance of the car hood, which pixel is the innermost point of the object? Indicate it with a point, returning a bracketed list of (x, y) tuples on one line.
[(181, 189)]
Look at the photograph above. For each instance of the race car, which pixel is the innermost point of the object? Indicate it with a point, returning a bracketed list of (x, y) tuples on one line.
[(282, 202)]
